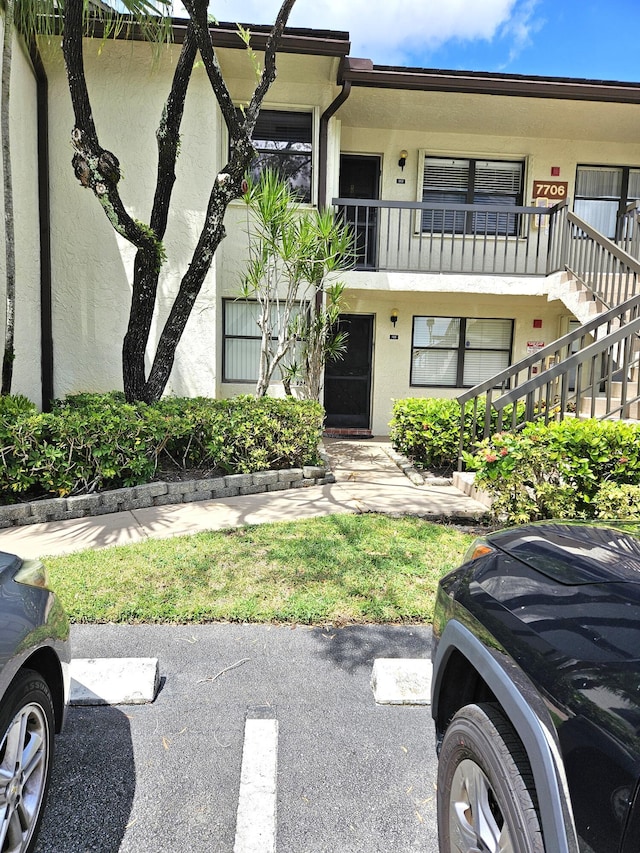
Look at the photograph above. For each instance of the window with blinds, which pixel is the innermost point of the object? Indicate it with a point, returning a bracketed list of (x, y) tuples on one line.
[(242, 338), (455, 181), (459, 352), (603, 193), (283, 141)]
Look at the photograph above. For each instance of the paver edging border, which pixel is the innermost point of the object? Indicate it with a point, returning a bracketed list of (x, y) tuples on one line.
[(418, 478), (162, 493)]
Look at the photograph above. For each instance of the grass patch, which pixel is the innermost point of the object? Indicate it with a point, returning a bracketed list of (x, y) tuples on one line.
[(343, 568)]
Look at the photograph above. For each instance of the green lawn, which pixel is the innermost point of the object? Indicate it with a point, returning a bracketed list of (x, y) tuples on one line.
[(343, 568)]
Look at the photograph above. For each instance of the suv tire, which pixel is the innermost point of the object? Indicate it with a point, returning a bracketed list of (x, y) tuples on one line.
[(486, 796)]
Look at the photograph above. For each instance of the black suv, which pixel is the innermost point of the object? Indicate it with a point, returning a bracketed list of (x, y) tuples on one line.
[(536, 692)]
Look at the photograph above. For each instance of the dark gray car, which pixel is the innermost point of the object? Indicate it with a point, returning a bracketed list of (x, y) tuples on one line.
[(34, 691)]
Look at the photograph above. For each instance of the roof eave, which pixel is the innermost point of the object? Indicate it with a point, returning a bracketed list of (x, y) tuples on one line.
[(362, 72), (332, 43)]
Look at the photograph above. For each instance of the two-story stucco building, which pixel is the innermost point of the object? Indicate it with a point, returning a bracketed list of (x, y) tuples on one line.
[(456, 184)]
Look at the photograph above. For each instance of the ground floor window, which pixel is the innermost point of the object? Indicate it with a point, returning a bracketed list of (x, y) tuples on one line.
[(458, 352), (603, 193), (241, 339)]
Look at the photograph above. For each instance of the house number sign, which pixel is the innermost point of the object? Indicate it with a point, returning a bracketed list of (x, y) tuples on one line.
[(550, 189)]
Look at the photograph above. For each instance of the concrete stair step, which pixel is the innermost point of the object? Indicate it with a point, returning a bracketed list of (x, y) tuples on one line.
[(464, 481), (632, 410)]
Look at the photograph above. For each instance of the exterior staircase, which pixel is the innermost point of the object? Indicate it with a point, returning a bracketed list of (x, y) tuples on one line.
[(594, 371)]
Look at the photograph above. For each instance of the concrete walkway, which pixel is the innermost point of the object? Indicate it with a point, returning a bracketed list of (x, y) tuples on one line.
[(367, 480)]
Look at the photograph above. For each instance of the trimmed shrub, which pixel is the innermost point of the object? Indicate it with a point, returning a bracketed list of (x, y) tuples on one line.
[(427, 429), (615, 501), (91, 442), (558, 470)]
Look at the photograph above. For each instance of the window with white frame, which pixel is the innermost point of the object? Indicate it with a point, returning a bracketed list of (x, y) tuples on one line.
[(452, 181), (459, 352), (283, 141), (603, 193), (242, 338)]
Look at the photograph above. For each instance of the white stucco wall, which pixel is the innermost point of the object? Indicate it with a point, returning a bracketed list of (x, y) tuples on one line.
[(92, 266), (544, 132), (24, 166), (392, 357), (539, 155)]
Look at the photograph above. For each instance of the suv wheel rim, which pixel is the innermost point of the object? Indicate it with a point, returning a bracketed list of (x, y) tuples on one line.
[(476, 823)]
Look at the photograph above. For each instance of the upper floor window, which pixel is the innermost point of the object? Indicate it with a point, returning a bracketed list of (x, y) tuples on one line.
[(283, 141), (449, 180), (603, 193)]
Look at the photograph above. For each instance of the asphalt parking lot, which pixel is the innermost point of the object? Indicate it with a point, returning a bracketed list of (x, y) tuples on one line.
[(352, 776)]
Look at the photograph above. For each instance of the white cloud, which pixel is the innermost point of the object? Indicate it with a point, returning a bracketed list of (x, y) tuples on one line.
[(520, 28), (387, 31)]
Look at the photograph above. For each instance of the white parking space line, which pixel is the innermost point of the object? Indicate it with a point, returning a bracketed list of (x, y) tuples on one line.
[(256, 820), (402, 681)]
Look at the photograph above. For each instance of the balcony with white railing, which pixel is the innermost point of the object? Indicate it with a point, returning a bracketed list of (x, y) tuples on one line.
[(489, 239)]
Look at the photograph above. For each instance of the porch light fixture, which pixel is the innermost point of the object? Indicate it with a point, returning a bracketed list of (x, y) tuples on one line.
[(394, 317), (403, 159)]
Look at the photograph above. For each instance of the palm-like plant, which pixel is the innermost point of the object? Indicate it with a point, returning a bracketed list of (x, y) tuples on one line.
[(295, 258)]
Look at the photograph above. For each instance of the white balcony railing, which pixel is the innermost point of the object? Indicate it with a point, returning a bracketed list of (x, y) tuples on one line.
[(453, 238)]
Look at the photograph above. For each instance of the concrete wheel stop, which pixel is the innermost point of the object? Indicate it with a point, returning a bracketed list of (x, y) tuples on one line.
[(114, 681), (401, 681)]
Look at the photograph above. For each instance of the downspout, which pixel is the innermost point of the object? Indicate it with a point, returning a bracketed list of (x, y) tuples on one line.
[(324, 147), (44, 215), (324, 141)]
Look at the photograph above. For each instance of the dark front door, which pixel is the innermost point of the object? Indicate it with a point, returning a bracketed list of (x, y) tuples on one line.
[(347, 383), (360, 179)]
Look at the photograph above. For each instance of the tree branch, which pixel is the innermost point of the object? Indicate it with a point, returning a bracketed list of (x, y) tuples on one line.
[(269, 71), (197, 10), (146, 270), (94, 166), (168, 133)]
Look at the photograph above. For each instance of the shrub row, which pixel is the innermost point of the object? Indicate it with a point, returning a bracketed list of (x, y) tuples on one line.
[(574, 469), (91, 442), (427, 429)]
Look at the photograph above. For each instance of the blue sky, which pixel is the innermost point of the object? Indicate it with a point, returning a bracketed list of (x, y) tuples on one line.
[(596, 40), (565, 38)]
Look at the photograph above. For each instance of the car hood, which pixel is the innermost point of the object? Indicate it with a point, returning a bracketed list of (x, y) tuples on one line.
[(8, 563), (576, 554), (574, 587)]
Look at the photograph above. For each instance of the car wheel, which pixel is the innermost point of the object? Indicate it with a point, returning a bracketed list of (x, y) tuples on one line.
[(26, 754), (486, 798)]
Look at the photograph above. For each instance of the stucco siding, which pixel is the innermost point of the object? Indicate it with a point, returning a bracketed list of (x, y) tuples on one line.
[(539, 154), (92, 266), (392, 355), (24, 165)]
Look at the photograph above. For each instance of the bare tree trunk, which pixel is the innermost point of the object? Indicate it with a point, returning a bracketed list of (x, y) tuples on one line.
[(146, 270), (99, 170), (7, 185)]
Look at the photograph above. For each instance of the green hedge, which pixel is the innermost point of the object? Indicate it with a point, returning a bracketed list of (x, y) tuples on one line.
[(91, 442), (427, 429), (573, 469)]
